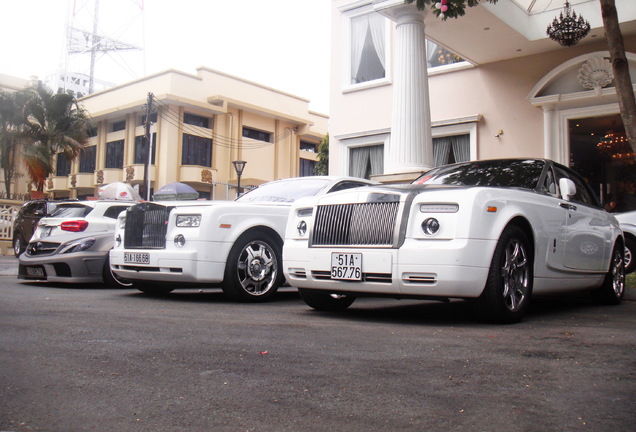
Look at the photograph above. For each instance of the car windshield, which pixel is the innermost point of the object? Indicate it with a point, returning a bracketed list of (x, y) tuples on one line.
[(495, 173), (285, 191), (72, 210)]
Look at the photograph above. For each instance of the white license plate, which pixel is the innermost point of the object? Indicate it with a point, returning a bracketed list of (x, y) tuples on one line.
[(46, 231), (35, 271), (346, 266), (137, 258)]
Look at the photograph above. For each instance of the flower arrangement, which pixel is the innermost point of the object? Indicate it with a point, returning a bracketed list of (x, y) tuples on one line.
[(447, 8)]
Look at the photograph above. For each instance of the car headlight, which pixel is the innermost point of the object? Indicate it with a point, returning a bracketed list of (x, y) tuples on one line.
[(430, 226), (439, 208), (78, 245), (188, 221)]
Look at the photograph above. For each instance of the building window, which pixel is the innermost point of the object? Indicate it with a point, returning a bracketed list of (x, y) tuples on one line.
[(451, 149), (366, 161), (196, 120), (196, 151), (437, 56), (307, 146), (141, 151), (115, 154), (118, 126), (257, 134), (63, 166), (142, 119), (87, 159), (306, 168), (368, 48)]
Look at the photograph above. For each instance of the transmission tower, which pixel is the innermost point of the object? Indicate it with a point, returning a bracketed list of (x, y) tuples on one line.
[(95, 36)]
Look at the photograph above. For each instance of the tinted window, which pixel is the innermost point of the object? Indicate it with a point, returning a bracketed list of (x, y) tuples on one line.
[(347, 185), (72, 210), (495, 173), (113, 212), (285, 190), (583, 194)]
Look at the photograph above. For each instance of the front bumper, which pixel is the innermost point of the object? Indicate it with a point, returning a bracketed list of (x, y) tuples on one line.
[(454, 268), (201, 263), (80, 267)]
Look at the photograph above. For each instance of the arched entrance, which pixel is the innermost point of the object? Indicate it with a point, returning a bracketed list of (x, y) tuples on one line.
[(600, 152), (583, 127)]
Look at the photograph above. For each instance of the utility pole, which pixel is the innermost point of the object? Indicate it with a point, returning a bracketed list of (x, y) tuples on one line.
[(148, 162)]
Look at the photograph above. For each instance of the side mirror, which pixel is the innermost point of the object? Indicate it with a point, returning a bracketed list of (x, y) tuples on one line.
[(568, 188)]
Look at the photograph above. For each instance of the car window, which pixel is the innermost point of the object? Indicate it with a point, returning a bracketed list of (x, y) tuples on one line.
[(72, 210), (549, 185), (285, 190), (347, 184), (113, 211), (495, 173), (583, 194)]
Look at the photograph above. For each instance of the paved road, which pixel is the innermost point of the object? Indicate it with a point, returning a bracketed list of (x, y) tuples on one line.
[(94, 359)]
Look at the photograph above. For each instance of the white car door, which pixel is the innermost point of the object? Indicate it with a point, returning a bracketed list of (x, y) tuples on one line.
[(588, 231)]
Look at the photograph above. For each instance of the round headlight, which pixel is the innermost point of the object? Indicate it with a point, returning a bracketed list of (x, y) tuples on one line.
[(430, 226), (179, 240), (302, 228)]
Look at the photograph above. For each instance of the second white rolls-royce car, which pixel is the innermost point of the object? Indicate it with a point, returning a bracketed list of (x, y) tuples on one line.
[(161, 246), (493, 231)]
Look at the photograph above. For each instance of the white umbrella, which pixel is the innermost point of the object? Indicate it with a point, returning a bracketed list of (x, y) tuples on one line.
[(118, 191)]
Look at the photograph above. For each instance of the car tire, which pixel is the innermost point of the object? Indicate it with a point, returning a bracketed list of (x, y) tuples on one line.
[(325, 301), (630, 259), (254, 268), (613, 288), (18, 244), (506, 296), (111, 280)]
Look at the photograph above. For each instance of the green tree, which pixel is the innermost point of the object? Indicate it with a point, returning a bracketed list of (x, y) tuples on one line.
[(11, 129), (322, 167), (54, 124), (624, 89)]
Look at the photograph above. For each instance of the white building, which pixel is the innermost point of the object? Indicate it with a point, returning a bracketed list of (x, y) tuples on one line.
[(410, 91)]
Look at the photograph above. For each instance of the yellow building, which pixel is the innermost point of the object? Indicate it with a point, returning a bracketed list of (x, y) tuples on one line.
[(200, 124)]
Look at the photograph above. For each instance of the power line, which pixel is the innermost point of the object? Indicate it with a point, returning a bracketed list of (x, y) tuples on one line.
[(169, 115)]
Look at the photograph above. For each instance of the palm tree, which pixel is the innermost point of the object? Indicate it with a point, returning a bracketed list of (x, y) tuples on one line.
[(55, 124), (11, 128)]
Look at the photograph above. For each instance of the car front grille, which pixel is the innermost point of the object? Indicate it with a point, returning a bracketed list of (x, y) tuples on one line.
[(146, 226), (41, 248), (359, 224)]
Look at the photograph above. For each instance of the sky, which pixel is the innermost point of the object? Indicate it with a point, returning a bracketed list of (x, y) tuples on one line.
[(283, 44)]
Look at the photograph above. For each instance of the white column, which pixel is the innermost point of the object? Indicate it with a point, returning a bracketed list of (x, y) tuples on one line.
[(411, 146), (548, 132)]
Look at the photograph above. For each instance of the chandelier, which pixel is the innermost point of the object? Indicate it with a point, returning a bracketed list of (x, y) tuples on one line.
[(568, 29), (616, 146)]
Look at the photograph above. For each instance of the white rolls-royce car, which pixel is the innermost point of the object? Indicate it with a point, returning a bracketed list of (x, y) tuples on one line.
[(162, 246), (493, 231)]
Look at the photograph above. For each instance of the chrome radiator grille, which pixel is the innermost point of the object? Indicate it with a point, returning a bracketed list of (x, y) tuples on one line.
[(370, 224), (146, 226)]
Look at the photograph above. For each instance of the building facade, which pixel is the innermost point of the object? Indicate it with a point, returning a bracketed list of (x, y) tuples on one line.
[(199, 124), (411, 91)]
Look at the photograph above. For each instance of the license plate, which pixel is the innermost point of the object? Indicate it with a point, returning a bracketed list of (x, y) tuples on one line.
[(35, 271), (346, 266), (137, 258), (46, 231)]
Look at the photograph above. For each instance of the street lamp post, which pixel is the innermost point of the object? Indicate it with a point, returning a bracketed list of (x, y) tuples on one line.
[(239, 166)]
